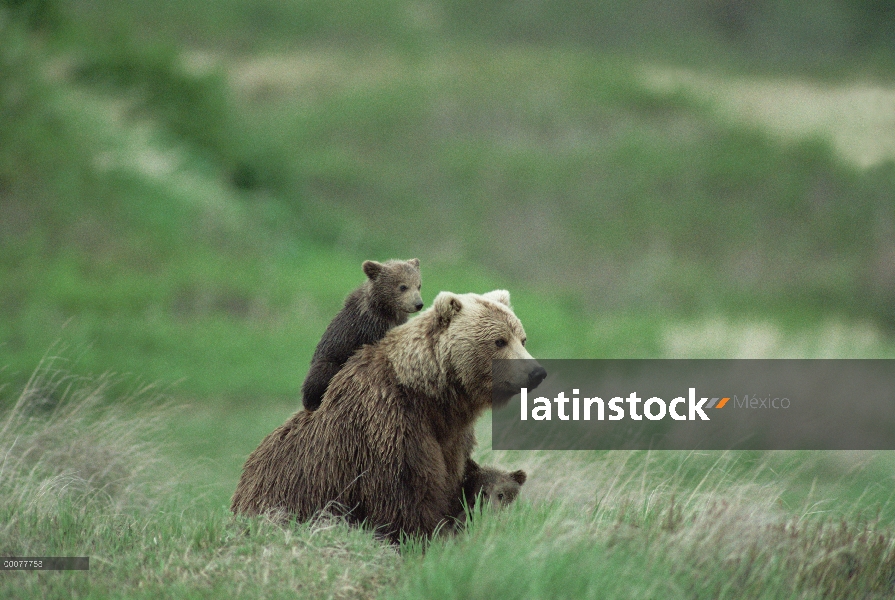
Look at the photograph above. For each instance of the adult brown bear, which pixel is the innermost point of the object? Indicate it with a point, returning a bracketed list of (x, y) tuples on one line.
[(391, 440)]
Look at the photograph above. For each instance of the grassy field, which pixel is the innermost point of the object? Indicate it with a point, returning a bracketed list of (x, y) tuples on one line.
[(186, 197), (142, 488)]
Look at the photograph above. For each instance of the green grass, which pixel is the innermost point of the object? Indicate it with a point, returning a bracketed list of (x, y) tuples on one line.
[(82, 474), (142, 487), (723, 545)]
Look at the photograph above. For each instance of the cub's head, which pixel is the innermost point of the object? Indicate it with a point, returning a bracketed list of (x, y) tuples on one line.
[(499, 489), (476, 330), (396, 284)]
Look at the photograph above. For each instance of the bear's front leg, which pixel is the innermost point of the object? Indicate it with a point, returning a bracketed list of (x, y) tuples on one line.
[(427, 494)]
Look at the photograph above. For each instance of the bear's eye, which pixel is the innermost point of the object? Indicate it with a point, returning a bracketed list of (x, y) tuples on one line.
[(500, 496), (403, 288), (501, 343), (419, 287), (524, 340)]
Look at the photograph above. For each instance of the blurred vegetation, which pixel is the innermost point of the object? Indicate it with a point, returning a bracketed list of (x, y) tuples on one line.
[(187, 191), (761, 34)]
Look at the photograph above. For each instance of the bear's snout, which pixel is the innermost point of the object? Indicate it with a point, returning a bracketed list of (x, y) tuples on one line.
[(536, 376), (419, 305)]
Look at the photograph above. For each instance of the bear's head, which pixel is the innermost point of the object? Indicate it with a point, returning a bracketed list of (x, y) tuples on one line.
[(395, 285), (500, 489), (473, 331)]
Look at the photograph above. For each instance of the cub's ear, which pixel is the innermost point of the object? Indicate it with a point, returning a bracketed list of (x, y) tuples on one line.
[(501, 296), (519, 476), (446, 305), (414, 262), (372, 268)]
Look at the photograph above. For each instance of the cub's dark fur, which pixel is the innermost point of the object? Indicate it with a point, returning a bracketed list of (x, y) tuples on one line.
[(390, 294), (494, 487)]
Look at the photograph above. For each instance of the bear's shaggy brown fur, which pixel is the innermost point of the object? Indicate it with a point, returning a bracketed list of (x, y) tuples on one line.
[(391, 441), (390, 293), (494, 487)]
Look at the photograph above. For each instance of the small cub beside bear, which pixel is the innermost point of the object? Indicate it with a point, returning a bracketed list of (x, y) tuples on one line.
[(390, 294), (495, 488)]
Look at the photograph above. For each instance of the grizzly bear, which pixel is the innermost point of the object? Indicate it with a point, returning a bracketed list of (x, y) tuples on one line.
[(493, 487), (390, 293), (391, 442)]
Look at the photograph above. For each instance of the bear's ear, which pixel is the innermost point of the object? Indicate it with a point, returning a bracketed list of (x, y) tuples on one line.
[(415, 262), (446, 305), (519, 476), (501, 296), (372, 268)]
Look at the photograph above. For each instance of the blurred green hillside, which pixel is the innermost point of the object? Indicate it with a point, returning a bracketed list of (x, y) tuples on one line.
[(187, 190), (793, 35)]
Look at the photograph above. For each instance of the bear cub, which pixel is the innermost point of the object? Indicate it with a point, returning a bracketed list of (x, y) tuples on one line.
[(498, 488), (390, 293)]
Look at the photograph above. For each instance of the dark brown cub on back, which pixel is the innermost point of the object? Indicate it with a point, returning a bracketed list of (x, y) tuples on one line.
[(390, 294)]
